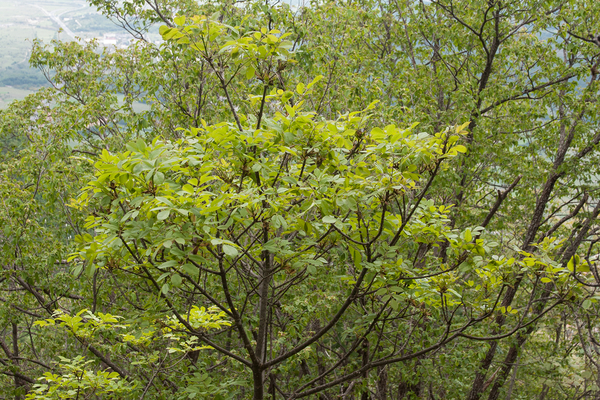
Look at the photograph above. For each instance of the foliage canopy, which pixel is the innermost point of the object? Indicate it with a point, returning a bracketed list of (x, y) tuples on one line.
[(367, 199)]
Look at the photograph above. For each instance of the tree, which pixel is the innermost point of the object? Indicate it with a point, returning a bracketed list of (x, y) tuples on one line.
[(342, 255)]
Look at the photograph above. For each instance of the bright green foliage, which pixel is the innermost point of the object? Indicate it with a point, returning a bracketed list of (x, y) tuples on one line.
[(186, 215), (79, 380), (76, 381)]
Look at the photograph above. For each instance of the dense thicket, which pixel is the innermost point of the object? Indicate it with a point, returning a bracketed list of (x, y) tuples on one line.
[(362, 199)]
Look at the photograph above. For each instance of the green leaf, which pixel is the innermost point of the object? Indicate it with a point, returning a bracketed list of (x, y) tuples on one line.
[(168, 264), (176, 280), (158, 178), (356, 256), (230, 250), (163, 30), (179, 20), (329, 219), (164, 214), (165, 288), (587, 303), (468, 235), (250, 72), (191, 269)]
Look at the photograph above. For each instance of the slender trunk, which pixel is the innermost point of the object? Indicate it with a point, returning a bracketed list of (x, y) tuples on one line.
[(365, 360), (479, 381), (382, 383), (258, 383), (512, 380), (509, 361), (406, 389), (273, 385), (263, 318), (544, 392), (15, 343)]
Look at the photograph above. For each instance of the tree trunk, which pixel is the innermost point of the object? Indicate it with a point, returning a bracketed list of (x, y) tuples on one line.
[(382, 383), (257, 377)]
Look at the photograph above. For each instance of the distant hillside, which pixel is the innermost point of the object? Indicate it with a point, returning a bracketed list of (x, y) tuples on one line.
[(22, 76), (21, 23)]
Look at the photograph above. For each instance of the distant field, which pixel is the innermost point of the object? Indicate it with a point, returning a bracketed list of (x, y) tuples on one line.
[(8, 94), (21, 22)]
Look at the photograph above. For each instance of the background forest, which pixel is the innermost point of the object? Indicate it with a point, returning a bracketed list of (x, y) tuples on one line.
[(362, 199)]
